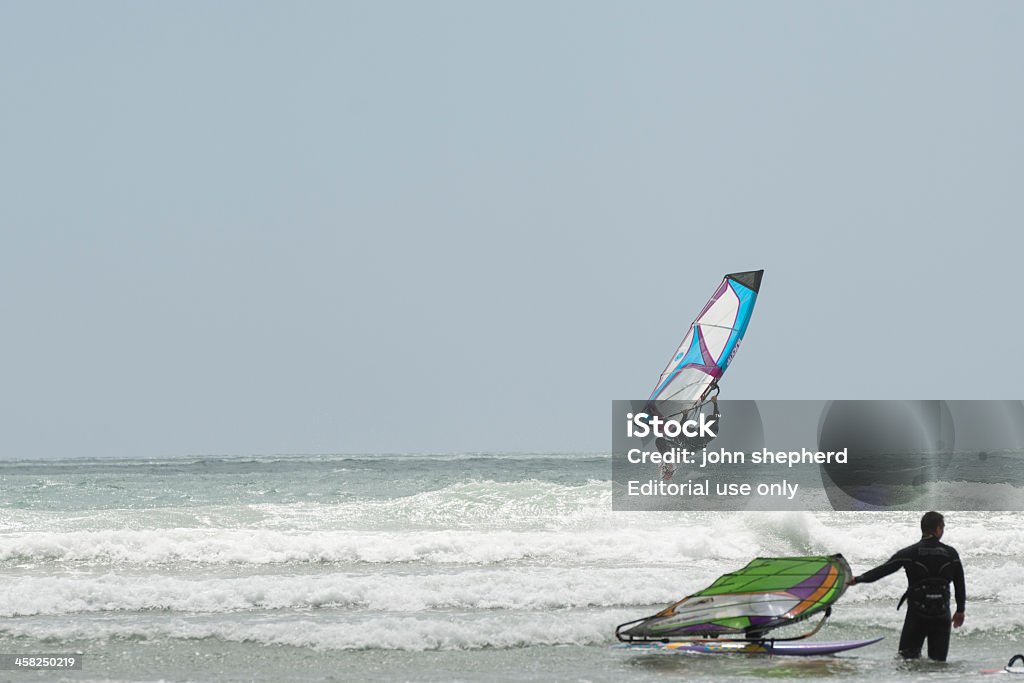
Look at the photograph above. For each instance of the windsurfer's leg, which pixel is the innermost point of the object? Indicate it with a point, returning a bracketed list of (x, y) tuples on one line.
[(667, 470), (912, 637), (938, 639)]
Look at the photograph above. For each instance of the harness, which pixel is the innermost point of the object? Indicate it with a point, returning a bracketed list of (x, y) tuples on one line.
[(927, 598)]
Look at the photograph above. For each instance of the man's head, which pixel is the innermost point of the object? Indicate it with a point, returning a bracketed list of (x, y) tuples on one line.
[(933, 523)]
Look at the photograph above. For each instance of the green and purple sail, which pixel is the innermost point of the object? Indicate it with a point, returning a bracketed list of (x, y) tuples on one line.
[(768, 593)]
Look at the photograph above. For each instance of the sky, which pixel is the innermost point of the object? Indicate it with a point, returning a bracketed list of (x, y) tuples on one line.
[(372, 227)]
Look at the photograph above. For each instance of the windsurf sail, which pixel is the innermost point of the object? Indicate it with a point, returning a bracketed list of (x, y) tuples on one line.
[(710, 344), (768, 593)]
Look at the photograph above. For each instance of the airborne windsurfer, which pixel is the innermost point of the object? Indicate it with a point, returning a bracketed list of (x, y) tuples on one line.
[(930, 565), (705, 353)]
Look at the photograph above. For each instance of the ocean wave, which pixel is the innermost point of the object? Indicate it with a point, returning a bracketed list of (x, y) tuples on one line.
[(469, 504), (265, 546), (466, 588), (485, 504), (522, 589), (581, 535), (530, 505), (435, 632)]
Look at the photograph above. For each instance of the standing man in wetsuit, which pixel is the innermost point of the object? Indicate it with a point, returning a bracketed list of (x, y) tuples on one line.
[(930, 565)]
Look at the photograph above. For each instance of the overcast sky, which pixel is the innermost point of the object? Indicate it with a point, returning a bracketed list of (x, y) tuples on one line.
[(244, 227)]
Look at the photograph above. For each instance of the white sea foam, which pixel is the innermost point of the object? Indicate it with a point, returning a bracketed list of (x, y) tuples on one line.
[(427, 632), (636, 539), (516, 588), (263, 546), (439, 630), (532, 588)]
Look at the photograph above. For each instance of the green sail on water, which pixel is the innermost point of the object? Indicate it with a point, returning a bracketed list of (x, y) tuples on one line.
[(768, 593)]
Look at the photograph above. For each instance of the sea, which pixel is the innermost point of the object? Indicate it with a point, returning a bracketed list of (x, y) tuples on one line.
[(426, 567)]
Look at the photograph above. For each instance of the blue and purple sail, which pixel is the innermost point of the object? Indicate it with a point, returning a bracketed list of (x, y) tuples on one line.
[(712, 341)]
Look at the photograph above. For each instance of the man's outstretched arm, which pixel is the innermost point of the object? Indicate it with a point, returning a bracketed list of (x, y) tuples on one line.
[(881, 571)]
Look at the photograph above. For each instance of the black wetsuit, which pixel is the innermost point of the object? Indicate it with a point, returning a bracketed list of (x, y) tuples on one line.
[(930, 565), (694, 444)]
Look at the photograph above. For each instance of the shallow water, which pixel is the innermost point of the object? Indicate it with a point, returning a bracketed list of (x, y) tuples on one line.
[(459, 567)]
